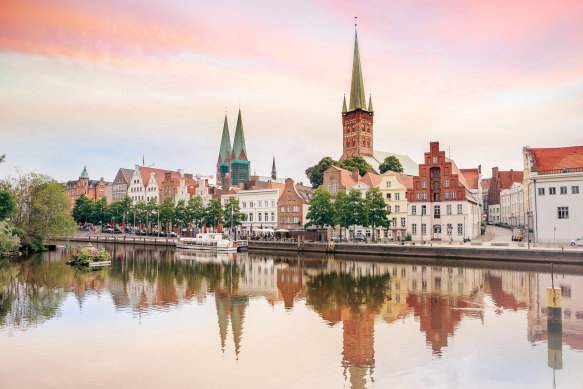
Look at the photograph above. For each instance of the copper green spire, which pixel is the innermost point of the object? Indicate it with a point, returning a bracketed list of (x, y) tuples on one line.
[(225, 142), (370, 104), (344, 110), (239, 142), (84, 174), (357, 99)]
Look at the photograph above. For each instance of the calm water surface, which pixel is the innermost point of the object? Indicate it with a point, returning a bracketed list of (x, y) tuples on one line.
[(165, 318)]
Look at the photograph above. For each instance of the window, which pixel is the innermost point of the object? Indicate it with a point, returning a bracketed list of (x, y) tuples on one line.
[(460, 229), (446, 184), (289, 188), (397, 196), (389, 196), (418, 197), (259, 217), (414, 229), (423, 229), (449, 229), (413, 210), (287, 209), (423, 184), (266, 216), (424, 196), (553, 191), (296, 208), (273, 217), (448, 209), (250, 217), (459, 209), (273, 203), (575, 189), (389, 208), (388, 184), (397, 208), (287, 220), (403, 222), (394, 223), (435, 160), (563, 212), (446, 195), (282, 209), (250, 204), (452, 195), (282, 220), (296, 220), (288, 198), (329, 187), (437, 210), (423, 210), (334, 188), (563, 190), (541, 191)]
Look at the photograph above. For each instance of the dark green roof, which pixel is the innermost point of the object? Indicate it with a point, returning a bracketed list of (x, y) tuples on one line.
[(357, 99), (370, 104), (84, 174), (344, 109), (239, 142), (225, 142)]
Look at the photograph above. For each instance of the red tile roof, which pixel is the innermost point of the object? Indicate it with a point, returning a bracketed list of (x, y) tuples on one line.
[(371, 179), (457, 171), (472, 177), (276, 185), (147, 173), (569, 161), (507, 178), (547, 159), (404, 179)]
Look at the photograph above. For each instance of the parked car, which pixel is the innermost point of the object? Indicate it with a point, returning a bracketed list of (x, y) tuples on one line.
[(338, 239), (108, 230), (360, 238), (172, 234), (517, 235), (577, 242)]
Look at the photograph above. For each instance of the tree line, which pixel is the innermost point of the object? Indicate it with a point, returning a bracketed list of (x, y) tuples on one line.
[(151, 215), (348, 209)]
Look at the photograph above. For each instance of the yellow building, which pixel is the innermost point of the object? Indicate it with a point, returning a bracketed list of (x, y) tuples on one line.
[(394, 188)]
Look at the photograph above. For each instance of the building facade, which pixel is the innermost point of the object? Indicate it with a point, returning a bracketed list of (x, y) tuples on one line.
[(499, 181), (293, 205), (553, 181), (394, 188), (121, 183), (441, 205), (148, 183), (92, 189), (512, 205), (260, 207)]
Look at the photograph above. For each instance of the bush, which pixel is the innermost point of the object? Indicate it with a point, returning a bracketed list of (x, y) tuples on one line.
[(408, 238), (83, 256)]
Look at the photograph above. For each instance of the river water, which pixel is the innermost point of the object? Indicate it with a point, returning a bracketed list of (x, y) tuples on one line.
[(165, 318)]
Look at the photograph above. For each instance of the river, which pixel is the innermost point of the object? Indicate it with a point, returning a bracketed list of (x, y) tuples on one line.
[(159, 317)]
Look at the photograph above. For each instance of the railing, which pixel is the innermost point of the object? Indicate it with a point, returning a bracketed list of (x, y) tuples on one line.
[(560, 171)]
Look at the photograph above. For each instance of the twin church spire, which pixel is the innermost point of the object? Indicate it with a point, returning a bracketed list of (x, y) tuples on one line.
[(233, 164)]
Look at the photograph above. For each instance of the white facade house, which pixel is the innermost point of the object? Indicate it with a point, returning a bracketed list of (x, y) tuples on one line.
[(457, 219), (512, 205), (202, 190), (181, 192), (494, 214), (554, 193), (260, 206), (137, 189)]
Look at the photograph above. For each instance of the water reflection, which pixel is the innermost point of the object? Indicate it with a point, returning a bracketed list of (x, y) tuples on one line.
[(434, 299)]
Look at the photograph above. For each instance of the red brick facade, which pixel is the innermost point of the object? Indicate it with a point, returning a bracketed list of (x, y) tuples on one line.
[(357, 137), (439, 179), (291, 204), (94, 190)]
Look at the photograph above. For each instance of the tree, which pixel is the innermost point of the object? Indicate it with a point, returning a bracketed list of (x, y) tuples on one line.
[(167, 211), (196, 211), (83, 210), (213, 213), (232, 213), (9, 241), (116, 212), (152, 212), (391, 163), (316, 173), (321, 212), (377, 210), (181, 214), (101, 212), (356, 210), (7, 202), (126, 207), (341, 205), (356, 162), (141, 211)]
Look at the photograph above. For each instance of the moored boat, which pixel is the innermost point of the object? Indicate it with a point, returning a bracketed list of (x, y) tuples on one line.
[(210, 241)]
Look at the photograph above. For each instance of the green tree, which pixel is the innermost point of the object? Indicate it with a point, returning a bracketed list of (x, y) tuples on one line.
[(167, 212), (181, 214), (9, 240), (141, 210), (316, 173), (356, 210), (232, 213), (322, 211), (127, 209), (152, 212), (101, 212), (196, 211), (214, 213), (356, 162), (391, 163), (377, 210), (341, 205), (83, 209), (116, 212), (7, 202)]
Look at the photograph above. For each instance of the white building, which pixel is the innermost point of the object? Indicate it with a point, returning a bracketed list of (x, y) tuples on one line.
[(260, 206), (553, 183), (512, 205), (494, 214), (202, 190)]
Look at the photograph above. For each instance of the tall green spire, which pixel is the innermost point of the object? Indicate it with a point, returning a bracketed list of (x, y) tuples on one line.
[(239, 142), (357, 99), (84, 174), (225, 142), (344, 110), (370, 104)]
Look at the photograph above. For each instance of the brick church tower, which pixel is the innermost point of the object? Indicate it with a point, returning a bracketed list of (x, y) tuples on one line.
[(357, 119)]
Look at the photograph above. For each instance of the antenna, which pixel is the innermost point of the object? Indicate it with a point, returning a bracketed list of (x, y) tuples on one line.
[(449, 152), (355, 24)]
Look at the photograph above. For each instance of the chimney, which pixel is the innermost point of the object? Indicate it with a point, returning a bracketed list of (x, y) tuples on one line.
[(355, 174)]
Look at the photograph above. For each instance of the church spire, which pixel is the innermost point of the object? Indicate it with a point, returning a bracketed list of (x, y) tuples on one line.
[(370, 104), (225, 142), (273, 171), (239, 141), (344, 109), (357, 98)]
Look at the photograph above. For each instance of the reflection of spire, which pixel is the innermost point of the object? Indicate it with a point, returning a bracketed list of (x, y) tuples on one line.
[(223, 316), (237, 316), (231, 308)]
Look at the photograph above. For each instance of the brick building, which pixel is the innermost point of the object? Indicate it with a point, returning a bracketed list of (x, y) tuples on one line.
[(443, 203), (233, 166), (499, 181), (93, 189), (293, 204)]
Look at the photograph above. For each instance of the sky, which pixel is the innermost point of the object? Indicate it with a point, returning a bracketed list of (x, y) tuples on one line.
[(111, 82)]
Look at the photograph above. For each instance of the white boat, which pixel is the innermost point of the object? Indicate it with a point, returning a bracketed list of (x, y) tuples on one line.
[(210, 241)]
